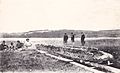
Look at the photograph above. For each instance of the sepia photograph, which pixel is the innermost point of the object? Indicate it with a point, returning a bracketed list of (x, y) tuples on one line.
[(59, 36)]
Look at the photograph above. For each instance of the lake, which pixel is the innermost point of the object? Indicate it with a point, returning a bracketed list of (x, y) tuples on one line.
[(54, 41)]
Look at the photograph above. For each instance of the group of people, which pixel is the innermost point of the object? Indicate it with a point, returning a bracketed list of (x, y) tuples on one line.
[(65, 38), (15, 46), (27, 43)]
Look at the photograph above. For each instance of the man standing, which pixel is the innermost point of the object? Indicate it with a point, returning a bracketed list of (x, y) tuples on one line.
[(65, 39), (72, 38), (83, 39)]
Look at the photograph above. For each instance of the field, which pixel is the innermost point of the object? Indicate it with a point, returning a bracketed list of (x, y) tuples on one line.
[(45, 63)]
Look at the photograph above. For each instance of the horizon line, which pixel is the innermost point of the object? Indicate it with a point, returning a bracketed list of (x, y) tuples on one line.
[(59, 30)]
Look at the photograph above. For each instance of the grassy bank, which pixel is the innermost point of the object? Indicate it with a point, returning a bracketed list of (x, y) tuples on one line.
[(107, 45), (111, 46), (32, 60)]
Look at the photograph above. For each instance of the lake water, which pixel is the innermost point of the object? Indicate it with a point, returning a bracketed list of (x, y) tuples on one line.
[(53, 41)]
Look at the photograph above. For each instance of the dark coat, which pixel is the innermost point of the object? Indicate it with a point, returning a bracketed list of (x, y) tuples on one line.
[(3, 47)]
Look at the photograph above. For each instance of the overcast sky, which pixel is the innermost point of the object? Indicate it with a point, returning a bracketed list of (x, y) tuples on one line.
[(25, 15)]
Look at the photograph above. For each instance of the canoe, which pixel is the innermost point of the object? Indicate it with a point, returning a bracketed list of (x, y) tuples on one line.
[(77, 53)]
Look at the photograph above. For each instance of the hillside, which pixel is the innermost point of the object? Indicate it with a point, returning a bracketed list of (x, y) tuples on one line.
[(60, 33)]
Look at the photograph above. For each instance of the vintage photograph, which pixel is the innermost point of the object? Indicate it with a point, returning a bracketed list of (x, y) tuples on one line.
[(59, 36)]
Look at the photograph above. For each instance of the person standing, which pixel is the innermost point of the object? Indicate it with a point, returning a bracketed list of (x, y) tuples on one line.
[(65, 38), (83, 39), (72, 38)]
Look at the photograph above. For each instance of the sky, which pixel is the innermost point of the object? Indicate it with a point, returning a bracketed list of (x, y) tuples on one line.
[(27, 15)]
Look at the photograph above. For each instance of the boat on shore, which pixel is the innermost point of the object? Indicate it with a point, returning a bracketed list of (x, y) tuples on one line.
[(78, 53)]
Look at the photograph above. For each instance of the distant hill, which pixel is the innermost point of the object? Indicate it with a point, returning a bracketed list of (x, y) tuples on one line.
[(60, 33)]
